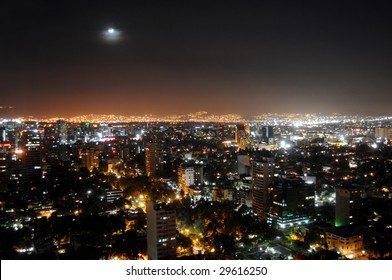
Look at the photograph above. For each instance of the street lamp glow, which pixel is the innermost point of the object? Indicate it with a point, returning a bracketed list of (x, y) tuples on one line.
[(111, 30)]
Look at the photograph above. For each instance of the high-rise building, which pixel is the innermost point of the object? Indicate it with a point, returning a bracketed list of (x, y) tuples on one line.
[(151, 158), (243, 192), (32, 146), (3, 170), (161, 231), (89, 158), (262, 184), (243, 163), (3, 134), (13, 168), (61, 131), (267, 134), (382, 132), (348, 205), (190, 174), (292, 202), (243, 137)]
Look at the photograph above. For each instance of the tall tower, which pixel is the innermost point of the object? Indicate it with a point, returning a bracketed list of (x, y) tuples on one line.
[(348, 205), (243, 163), (262, 183), (267, 134), (32, 145), (243, 137), (61, 131), (292, 202), (151, 158), (3, 170), (161, 231)]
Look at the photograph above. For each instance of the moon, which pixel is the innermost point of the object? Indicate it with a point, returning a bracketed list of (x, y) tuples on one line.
[(111, 35)]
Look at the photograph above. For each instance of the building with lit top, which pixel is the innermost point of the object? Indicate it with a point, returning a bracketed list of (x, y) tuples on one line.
[(292, 202)]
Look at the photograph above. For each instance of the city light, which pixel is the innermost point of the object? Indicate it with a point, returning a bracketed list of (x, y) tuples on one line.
[(99, 174)]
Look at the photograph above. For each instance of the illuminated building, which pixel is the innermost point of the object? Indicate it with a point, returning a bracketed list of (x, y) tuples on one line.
[(161, 231), (11, 132), (243, 192), (3, 170), (262, 183), (267, 134), (89, 158), (32, 146), (113, 195), (348, 205), (86, 131), (105, 129), (292, 202), (13, 169), (3, 134), (345, 240), (222, 194), (382, 133), (243, 163), (61, 131), (151, 158), (243, 137), (189, 174)]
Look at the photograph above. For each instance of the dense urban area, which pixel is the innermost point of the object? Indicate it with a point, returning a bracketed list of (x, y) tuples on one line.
[(197, 187)]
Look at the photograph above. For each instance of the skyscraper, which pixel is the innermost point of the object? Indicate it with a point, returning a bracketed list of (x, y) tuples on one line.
[(3, 170), (243, 137), (161, 231), (189, 174), (292, 202), (243, 163), (262, 183), (32, 146), (89, 158), (151, 158), (61, 131), (348, 205), (268, 134)]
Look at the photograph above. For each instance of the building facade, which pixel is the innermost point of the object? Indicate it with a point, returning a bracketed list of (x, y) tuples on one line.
[(190, 174), (161, 231), (151, 159), (348, 205), (262, 184)]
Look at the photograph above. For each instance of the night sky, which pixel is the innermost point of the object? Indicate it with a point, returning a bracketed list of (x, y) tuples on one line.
[(57, 58)]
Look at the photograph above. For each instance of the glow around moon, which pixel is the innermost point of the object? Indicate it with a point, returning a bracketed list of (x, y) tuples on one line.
[(111, 35)]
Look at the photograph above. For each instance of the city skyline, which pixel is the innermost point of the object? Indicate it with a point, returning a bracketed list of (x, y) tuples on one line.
[(317, 190), (228, 57)]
